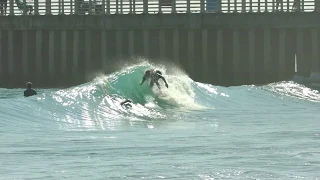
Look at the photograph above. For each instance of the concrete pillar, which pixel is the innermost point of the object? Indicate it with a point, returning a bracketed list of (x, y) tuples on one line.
[(219, 54), (118, 44), (39, 51), (146, 42), (104, 48), (267, 53), (51, 54), (251, 54), (75, 67), (145, 6), (25, 52), (282, 54), (204, 35), (236, 56), (131, 43), (1, 59), (188, 6), (63, 52), (10, 52), (299, 45), (162, 43), (191, 51), (176, 45), (315, 52), (88, 51)]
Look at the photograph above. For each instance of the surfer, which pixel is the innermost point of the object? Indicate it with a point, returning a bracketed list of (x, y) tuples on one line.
[(154, 76), (29, 91), (126, 103)]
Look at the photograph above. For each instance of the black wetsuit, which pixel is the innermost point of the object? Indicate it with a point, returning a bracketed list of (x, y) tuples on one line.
[(29, 92), (154, 77)]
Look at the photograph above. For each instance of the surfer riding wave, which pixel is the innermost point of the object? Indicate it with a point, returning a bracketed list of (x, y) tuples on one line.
[(154, 76)]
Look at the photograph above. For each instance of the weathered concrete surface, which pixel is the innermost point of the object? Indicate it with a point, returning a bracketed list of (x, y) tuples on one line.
[(221, 49)]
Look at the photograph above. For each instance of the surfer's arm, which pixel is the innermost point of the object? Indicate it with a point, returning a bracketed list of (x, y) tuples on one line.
[(164, 80), (143, 79)]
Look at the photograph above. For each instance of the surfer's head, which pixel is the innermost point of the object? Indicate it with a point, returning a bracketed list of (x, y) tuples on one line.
[(29, 85)]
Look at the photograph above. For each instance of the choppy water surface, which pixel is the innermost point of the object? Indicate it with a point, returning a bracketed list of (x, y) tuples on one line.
[(188, 131)]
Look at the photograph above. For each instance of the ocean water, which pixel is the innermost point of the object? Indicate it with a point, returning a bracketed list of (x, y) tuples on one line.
[(189, 131)]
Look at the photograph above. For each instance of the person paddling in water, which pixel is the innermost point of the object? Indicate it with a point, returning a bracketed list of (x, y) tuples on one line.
[(154, 76), (29, 91)]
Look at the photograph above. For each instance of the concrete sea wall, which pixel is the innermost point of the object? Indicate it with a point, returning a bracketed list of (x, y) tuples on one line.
[(221, 49)]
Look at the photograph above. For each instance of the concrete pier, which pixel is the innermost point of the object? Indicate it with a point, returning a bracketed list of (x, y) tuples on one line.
[(191, 58), (315, 49), (236, 55), (282, 50), (251, 48), (176, 46), (146, 42), (267, 54), (204, 62), (63, 52), (10, 54), (75, 53), (219, 55), (220, 49), (51, 55), (162, 44)]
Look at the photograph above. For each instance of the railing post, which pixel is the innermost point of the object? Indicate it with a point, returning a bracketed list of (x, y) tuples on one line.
[(103, 6), (59, 6), (316, 5), (159, 7), (121, 6), (71, 7), (250, 6), (235, 6), (36, 7), (259, 5), (273, 5), (11, 8), (62, 6), (202, 10), (188, 6), (48, 7), (117, 8), (244, 6), (173, 7), (134, 6), (130, 6), (76, 7), (24, 7), (266, 6), (145, 6), (108, 6), (90, 7)]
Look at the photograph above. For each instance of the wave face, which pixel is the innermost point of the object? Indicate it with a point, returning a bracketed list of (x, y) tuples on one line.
[(101, 98), (190, 130)]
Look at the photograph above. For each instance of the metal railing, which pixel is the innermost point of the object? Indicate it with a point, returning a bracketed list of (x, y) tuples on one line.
[(100, 7)]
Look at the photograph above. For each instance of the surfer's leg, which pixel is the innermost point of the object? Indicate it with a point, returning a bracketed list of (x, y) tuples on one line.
[(151, 83), (157, 83)]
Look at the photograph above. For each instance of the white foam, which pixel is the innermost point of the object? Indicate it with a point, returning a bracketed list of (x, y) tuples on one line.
[(180, 91)]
